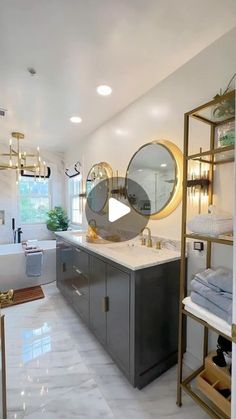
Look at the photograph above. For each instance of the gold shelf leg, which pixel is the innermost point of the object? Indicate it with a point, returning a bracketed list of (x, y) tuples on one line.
[(205, 344), (3, 361), (182, 290)]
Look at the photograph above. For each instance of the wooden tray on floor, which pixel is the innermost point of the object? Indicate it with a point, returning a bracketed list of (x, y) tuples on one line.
[(24, 295)]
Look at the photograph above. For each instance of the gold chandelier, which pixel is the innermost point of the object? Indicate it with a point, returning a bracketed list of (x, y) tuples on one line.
[(21, 161)]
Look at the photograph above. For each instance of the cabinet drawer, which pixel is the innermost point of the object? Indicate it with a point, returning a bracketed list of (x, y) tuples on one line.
[(81, 261), (80, 302), (80, 281)]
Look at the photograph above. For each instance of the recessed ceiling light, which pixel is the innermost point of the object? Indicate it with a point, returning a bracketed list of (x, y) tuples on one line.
[(121, 132), (163, 165), (104, 90), (76, 119)]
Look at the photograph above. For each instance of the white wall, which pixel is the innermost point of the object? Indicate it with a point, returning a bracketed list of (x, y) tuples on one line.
[(159, 115), (9, 201)]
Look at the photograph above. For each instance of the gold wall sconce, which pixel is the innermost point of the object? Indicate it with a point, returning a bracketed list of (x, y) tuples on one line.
[(199, 184)]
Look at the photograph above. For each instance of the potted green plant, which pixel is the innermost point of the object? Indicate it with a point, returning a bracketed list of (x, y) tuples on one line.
[(57, 220)]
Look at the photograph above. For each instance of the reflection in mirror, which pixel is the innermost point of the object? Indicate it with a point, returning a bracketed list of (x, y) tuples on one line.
[(155, 169), (97, 197)]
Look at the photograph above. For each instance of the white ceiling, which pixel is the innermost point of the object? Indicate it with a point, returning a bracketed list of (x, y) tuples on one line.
[(76, 45)]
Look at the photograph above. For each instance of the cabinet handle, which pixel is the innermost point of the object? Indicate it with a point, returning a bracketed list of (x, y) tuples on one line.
[(77, 250), (105, 304), (76, 290), (77, 270)]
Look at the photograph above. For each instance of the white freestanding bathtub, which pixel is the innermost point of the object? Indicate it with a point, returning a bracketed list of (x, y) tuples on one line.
[(12, 266)]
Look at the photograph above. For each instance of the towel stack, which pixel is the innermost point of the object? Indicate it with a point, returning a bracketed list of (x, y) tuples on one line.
[(212, 289), (213, 224)]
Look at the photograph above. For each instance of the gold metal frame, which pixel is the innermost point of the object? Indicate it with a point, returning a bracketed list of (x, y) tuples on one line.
[(105, 166), (3, 365), (176, 195), (109, 173), (185, 384)]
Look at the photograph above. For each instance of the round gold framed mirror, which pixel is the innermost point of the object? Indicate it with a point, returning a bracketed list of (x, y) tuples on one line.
[(97, 186), (157, 167)]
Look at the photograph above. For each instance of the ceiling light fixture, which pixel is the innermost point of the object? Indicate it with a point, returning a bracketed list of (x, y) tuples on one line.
[(76, 119), (19, 160), (163, 165), (104, 90)]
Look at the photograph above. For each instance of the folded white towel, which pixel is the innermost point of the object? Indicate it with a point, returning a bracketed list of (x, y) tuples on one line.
[(212, 224), (32, 243)]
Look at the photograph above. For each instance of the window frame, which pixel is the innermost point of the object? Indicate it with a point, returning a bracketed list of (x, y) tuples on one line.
[(35, 196), (70, 200)]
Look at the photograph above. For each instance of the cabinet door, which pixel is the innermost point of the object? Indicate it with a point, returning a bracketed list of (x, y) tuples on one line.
[(97, 298), (65, 257), (118, 318), (157, 315)]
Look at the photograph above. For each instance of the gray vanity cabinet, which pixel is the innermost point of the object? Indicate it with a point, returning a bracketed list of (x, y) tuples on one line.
[(118, 316), (133, 314), (98, 300), (65, 256), (156, 319)]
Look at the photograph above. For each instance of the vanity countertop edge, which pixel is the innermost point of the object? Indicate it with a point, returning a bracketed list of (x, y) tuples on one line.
[(105, 251)]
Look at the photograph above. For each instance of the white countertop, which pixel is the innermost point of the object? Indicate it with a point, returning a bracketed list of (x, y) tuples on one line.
[(128, 253)]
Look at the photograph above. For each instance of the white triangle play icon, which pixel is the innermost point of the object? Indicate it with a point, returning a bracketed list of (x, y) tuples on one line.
[(116, 210)]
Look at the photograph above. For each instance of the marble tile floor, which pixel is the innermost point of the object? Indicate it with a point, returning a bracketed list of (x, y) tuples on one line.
[(57, 370)]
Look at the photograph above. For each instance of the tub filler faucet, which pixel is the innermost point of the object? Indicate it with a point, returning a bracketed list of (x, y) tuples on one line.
[(16, 233), (19, 233)]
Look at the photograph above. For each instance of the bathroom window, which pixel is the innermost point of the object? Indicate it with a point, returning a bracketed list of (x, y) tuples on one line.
[(34, 200), (74, 200)]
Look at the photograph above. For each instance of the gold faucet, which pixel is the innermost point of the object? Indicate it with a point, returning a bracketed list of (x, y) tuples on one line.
[(92, 221), (92, 231), (149, 239)]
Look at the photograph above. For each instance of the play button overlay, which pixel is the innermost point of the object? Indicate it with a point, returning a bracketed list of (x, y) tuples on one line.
[(113, 213), (116, 210)]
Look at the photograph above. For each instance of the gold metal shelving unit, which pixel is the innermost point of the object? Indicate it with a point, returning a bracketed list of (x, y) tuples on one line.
[(3, 388), (213, 156)]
